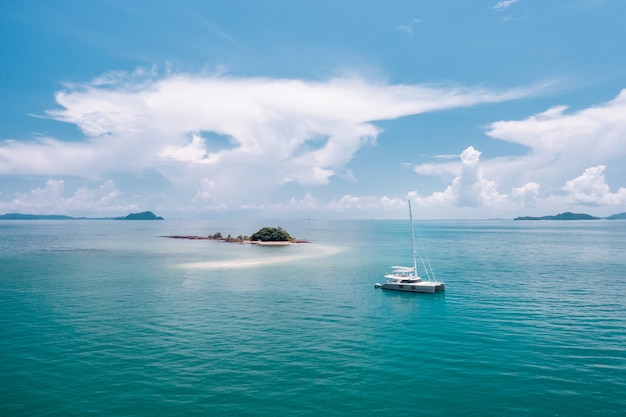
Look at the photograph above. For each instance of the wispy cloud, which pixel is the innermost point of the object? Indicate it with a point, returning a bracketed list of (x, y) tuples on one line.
[(409, 28), (503, 5), (210, 26), (277, 131)]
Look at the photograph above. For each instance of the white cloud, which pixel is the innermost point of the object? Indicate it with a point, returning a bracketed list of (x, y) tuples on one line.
[(48, 156), (53, 198), (469, 188), (307, 203), (279, 130), (229, 143), (366, 205), (561, 145), (527, 194), (408, 29), (472, 189), (503, 5), (591, 188), (193, 151)]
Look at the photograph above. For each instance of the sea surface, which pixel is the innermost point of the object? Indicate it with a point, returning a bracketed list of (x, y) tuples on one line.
[(108, 318)]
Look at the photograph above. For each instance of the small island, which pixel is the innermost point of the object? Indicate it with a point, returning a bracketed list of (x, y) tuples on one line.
[(146, 215), (20, 216), (265, 236), (563, 216)]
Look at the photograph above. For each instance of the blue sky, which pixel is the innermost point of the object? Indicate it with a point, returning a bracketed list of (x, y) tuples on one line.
[(323, 109)]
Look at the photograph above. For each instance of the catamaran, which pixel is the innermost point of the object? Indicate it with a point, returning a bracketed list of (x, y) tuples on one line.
[(405, 278)]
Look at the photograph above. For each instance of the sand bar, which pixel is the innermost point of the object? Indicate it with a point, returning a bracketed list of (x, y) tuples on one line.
[(313, 251)]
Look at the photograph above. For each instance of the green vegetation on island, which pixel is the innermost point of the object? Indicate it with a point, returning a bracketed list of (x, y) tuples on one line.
[(272, 234)]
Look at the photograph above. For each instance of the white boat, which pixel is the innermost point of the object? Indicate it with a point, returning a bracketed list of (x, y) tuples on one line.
[(405, 278)]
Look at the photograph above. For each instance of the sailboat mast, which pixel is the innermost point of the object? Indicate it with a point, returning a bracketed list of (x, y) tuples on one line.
[(413, 240)]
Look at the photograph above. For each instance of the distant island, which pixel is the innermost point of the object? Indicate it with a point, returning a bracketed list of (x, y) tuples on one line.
[(19, 216), (146, 215), (619, 216), (265, 236), (563, 216)]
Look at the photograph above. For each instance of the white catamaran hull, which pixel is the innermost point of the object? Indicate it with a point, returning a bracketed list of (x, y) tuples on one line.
[(424, 286)]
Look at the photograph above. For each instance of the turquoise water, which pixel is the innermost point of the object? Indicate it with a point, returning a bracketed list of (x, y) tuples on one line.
[(108, 318)]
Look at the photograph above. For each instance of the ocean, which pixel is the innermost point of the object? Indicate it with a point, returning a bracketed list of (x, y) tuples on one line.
[(108, 318)]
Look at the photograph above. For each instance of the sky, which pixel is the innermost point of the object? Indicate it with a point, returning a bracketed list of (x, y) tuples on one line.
[(317, 109)]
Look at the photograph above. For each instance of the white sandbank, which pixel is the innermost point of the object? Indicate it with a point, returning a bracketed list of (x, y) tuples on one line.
[(313, 251)]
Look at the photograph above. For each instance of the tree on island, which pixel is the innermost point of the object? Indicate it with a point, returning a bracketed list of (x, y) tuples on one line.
[(271, 234)]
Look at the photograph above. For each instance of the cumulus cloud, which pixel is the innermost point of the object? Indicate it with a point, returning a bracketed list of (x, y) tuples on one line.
[(560, 145), (53, 198), (527, 195), (366, 203), (193, 151), (277, 131), (591, 188), (470, 188), (347, 203)]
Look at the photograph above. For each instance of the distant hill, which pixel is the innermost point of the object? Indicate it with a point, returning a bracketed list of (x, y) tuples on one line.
[(619, 216), (19, 216), (146, 215), (563, 216)]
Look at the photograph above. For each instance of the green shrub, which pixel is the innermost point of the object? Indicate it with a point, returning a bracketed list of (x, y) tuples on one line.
[(271, 234)]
